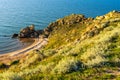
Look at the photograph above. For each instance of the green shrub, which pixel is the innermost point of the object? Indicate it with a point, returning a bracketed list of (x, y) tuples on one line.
[(49, 52), (10, 76), (2, 65), (14, 62), (31, 59), (67, 65)]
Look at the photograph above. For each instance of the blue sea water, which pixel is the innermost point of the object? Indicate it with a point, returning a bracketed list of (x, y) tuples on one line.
[(16, 14)]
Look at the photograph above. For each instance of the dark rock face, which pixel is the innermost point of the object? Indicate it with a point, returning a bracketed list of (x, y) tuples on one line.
[(40, 31), (50, 28), (28, 32), (14, 35)]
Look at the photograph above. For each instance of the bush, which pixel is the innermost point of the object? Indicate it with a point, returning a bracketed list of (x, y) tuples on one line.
[(31, 59), (10, 76), (67, 65), (49, 52), (14, 62), (2, 65), (94, 56)]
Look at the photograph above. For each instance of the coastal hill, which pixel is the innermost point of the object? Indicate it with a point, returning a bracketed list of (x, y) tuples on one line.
[(78, 48)]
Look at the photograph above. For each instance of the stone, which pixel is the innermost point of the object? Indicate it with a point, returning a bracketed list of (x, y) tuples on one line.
[(32, 27), (40, 31), (28, 32), (14, 35)]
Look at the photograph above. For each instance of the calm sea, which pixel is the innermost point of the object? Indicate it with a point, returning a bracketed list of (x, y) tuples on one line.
[(16, 14)]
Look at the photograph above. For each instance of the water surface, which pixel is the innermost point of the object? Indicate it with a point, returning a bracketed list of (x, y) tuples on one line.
[(16, 14)]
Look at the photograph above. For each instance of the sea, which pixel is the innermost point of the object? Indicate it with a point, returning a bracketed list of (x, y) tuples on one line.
[(17, 14)]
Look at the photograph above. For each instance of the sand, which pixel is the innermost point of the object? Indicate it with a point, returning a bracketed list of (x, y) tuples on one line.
[(8, 57)]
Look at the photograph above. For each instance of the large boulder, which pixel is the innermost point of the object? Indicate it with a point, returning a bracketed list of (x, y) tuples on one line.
[(28, 32)]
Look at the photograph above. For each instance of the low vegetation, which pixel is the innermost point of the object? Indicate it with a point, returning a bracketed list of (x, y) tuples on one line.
[(79, 48)]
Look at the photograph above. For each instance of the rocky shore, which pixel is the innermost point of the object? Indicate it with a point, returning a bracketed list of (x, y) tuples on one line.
[(75, 46), (28, 32)]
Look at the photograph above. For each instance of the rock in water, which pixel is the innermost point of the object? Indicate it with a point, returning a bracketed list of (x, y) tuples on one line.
[(28, 32), (14, 35), (32, 27)]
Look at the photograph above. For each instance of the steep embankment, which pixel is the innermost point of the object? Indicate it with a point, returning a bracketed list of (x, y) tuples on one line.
[(78, 48)]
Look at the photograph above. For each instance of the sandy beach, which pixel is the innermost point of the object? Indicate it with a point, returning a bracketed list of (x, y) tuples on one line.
[(7, 57)]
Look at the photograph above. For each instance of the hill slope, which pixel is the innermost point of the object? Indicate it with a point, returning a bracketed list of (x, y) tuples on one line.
[(78, 48)]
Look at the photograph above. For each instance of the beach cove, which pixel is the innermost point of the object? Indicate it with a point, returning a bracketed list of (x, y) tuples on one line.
[(15, 15)]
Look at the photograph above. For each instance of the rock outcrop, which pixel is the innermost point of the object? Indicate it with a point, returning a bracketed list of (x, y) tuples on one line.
[(28, 32), (14, 35), (94, 26), (68, 20)]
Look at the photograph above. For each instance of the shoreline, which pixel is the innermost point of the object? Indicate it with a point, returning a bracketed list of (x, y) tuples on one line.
[(12, 45), (7, 53), (11, 56)]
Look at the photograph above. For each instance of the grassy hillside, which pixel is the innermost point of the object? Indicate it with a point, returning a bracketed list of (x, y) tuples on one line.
[(79, 48)]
